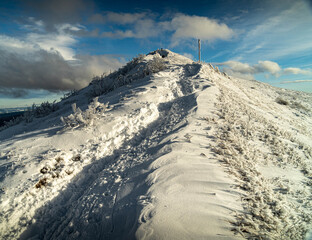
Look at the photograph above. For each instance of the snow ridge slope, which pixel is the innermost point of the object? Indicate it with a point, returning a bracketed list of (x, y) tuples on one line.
[(267, 149), (185, 153)]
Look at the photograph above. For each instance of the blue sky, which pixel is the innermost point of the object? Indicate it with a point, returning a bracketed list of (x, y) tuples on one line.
[(50, 47)]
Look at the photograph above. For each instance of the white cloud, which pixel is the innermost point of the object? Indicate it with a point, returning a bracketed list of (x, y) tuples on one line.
[(297, 71), (124, 18), (268, 66), (31, 64), (296, 81), (62, 28), (181, 26), (13, 44), (188, 55), (34, 25), (98, 64), (245, 70), (142, 29), (236, 66), (119, 34), (61, 43), (147, 28), (261, 67), (119, 18), (141, 25), (238, 69), (185, 26), (234, 73)]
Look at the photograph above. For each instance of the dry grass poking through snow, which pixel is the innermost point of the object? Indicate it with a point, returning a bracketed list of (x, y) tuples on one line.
[(274, 208)]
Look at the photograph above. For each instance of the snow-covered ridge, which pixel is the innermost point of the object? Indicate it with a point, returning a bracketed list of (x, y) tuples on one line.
[(181, 151)]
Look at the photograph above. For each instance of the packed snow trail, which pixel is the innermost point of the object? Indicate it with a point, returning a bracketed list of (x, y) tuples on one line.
[(185, 153), (122, 124), (101, 186)]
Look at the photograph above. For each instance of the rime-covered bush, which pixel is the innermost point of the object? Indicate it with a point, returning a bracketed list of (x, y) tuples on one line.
[(84, 118), (42, 110), (136, 69), (11, 123), (106, 83), (69, 94), (217, 69), (155, 66)]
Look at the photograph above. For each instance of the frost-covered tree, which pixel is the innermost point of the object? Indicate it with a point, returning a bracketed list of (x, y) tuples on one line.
[(85, 118)]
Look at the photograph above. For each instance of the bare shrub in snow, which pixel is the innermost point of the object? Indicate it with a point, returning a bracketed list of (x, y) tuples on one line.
[(282, 101), (76, 158), (188, 137), (42, 183), (84, 118), (44, 170), (293, 104), (59, 159), (69, 171), (55, 174)]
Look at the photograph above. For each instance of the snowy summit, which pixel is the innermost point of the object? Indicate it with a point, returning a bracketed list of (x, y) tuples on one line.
[(163, 148)]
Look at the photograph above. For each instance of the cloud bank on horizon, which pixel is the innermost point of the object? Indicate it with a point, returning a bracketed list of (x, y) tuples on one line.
[(60, 45), (247, 71)]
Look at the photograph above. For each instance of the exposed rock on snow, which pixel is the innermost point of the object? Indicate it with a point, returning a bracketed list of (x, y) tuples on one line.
[(182, 152)]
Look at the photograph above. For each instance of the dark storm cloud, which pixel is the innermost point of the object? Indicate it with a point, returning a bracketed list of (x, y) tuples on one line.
[(58, 11), (48, 70), (309, 3), (13, 92)]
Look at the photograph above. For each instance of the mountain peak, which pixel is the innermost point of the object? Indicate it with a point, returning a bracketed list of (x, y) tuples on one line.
[(163, 148)]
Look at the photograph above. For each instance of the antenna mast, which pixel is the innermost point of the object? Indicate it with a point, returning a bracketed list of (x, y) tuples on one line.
[(198, 50)]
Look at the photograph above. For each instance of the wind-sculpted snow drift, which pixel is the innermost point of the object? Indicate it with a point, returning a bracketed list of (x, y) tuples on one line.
[(181, 151)]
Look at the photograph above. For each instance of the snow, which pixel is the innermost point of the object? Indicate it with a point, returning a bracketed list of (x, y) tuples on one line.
[(185, 153)]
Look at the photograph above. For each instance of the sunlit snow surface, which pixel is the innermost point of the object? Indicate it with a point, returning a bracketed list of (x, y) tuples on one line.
[(185, 153)]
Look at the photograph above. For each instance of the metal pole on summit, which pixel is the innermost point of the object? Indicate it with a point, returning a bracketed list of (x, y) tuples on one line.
[(198, 50)]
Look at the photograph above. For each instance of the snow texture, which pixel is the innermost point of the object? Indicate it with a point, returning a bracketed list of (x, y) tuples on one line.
[(182, 151)]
